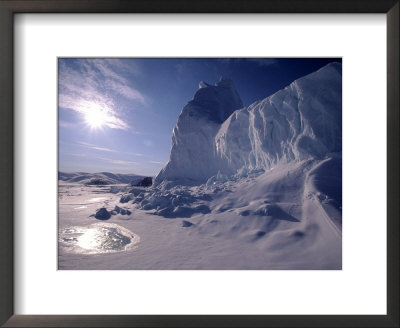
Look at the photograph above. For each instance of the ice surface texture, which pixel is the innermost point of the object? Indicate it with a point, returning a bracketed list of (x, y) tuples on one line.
[(215, 135), (192, 155)]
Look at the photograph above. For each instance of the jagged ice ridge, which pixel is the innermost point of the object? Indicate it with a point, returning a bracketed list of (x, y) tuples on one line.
[(215, 134)]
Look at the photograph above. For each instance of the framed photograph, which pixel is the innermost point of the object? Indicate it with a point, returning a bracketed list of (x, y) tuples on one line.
[(190, 164)]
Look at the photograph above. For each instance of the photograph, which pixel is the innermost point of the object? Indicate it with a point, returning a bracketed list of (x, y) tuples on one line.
[(199, 163)]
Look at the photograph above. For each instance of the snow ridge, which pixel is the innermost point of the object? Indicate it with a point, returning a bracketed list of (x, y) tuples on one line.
[(299, 122)]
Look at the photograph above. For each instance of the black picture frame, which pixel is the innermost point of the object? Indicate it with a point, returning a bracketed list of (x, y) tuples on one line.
[(10, 7)]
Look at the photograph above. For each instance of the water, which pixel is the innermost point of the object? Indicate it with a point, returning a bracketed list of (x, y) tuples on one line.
[(96, 199), (97, 238)]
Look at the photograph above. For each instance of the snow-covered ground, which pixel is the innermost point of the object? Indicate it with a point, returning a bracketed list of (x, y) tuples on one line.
[(102, 178), (245, 188), (279, 219)]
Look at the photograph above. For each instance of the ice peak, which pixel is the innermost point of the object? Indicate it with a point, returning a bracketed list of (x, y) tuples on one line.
[(225, 82), (193, 146), (203, 84), (214, 102), (222, 82)]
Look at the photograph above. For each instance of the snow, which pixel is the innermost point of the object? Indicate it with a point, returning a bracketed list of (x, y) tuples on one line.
[(273, 220), (215, 134), (245, 188), (102, 178), (302, 121), (119, 210), (192, 155)]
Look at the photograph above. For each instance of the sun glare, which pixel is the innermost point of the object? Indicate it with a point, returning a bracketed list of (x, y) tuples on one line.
[(95, 118)]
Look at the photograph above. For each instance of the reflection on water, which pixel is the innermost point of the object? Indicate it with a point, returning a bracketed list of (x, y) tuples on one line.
[(96, 199), (97, 238)]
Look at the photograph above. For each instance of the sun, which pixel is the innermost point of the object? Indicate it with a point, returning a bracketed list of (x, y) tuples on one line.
[(95, 118)]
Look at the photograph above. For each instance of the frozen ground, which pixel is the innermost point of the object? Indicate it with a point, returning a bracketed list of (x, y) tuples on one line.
[(244, 188), (285, 218)]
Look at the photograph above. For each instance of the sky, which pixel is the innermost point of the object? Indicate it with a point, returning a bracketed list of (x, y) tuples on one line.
[(117, 114)]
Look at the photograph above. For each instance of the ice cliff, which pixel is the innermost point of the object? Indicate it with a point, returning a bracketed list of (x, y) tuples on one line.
[(214, 135), (193, 155)]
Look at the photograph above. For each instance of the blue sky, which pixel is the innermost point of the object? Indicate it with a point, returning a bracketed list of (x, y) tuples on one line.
[(117, 115)]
